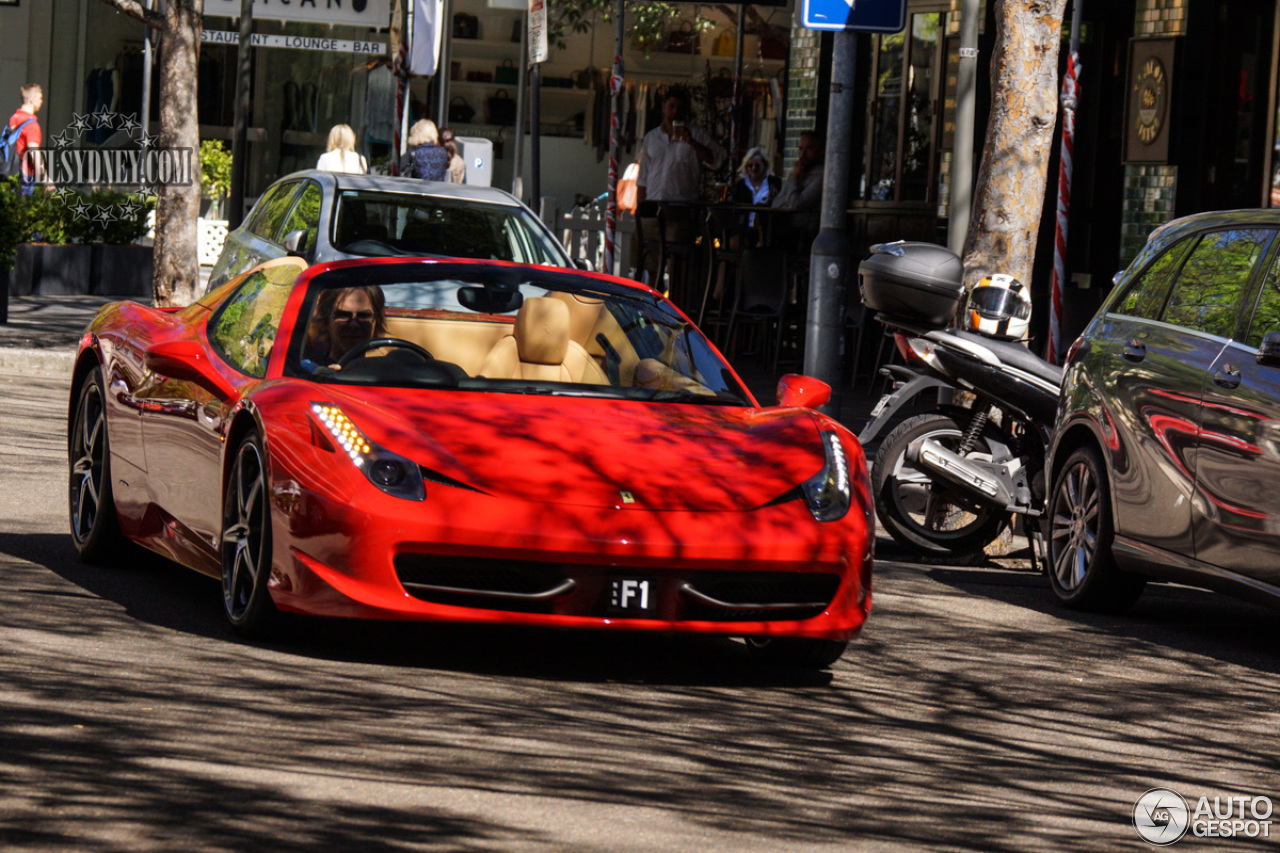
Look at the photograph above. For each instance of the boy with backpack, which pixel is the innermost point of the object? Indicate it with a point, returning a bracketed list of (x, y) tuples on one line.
[(22, 132)]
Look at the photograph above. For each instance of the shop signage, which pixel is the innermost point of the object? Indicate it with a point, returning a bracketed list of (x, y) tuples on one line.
[(1147, 108), (376, 48), (361, 13)]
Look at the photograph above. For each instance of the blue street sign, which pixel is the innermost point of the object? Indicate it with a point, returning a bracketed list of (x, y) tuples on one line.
[(863, 16)]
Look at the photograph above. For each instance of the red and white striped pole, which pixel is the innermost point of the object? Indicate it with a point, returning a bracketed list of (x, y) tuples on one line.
[(1070, 98), (615, 143)]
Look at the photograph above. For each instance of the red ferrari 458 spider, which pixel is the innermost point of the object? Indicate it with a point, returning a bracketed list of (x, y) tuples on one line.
[(468, 441)]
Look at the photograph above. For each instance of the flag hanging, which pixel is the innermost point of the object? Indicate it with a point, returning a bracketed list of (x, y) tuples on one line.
[(428, 30)]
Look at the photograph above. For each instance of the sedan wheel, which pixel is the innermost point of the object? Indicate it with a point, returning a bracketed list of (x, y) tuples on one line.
[(95, 530), (1082, 572), (246, 542)]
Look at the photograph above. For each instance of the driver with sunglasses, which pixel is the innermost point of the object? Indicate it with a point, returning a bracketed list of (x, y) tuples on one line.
[(344, 319)]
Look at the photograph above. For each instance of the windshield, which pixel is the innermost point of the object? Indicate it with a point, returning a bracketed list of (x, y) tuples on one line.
[(473, 327), (389, 224)]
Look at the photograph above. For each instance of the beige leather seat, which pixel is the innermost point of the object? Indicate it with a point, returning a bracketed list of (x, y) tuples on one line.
[(540, 348)]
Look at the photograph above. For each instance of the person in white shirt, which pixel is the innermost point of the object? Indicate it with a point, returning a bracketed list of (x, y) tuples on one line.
[(671, 159), (341, 156), (672, 156)]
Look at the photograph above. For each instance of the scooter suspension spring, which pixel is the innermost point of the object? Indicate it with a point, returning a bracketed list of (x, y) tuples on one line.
[(976, 426)]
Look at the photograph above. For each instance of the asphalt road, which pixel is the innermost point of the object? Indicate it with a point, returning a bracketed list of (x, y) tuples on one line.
[(971, 715)]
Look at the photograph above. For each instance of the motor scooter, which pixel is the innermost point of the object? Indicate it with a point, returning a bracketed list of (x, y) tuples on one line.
[(950, 480)]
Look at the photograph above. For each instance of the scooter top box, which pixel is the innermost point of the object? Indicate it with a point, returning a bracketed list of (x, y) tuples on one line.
[(921, 282)]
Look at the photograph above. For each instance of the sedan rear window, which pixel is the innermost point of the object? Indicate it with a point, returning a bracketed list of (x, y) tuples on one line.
[(382, 224)]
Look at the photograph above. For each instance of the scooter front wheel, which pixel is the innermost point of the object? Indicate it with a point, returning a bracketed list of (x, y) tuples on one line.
[(925, 512)]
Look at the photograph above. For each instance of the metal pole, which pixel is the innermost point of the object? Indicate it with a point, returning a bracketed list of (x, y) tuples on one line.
[(240, 125), (735, 132), (1070, 97), (517, 182), (962, 156), (829, 257), (535, 132), (615, 110), (404, 83), (444, 70)]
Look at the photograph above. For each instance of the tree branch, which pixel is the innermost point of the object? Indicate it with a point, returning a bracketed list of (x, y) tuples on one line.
[(138, 12)]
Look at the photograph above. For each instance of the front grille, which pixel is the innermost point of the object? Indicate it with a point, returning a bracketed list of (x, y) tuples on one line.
[(577, 589), (760, 595)]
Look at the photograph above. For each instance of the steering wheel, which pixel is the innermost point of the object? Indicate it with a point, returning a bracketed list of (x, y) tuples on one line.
[(380, 343)]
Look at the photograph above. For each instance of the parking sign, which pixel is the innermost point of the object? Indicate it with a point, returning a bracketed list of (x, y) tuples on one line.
[(863, 16)]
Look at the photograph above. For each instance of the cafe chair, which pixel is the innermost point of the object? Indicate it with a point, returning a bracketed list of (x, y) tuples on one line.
[(760, 303), (723, 233)]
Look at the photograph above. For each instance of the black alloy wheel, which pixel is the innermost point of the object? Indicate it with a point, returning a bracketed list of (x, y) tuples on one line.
[(95, 529), (1082, 571), (925, 513), (246, 542)]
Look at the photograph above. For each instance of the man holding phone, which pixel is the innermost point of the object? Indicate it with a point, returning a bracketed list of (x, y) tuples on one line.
[(671, 159), (672, 155)]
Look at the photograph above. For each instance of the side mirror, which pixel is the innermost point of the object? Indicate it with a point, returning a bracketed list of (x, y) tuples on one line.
[(1269, 352), (186, 360), (584, 264), (295, 243), (1115, 279), (803, 391)]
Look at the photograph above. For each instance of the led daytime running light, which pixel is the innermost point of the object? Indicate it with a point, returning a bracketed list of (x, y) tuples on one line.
[(344, 432)]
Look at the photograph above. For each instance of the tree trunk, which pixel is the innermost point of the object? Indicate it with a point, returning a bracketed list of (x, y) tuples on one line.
[(178, 207), (1008, 197), (177, 259)]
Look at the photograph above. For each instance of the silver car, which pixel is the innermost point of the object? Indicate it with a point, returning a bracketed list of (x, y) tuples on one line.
[(328, 216)]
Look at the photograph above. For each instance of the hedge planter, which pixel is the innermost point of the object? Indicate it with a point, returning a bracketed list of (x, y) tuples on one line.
[(121, 270), (50, 269)]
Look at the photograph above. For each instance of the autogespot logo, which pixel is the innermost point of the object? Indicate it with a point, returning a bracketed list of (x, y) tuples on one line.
[(1161, 816)]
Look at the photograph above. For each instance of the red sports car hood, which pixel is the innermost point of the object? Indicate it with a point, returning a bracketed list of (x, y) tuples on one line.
[(594, 452)]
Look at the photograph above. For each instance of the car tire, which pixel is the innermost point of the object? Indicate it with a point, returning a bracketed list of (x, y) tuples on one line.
[(1082, 571), (908, 504), (796, 652), (246, 542), (95, 528)]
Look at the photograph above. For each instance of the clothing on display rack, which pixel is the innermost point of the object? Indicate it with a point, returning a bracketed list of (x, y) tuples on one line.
[(380, 104)]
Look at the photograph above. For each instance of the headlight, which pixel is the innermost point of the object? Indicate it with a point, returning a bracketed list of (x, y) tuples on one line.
[(827, 492), (390, 472)]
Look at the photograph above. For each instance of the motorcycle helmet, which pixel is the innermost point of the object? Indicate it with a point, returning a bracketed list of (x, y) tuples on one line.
[(999, 306)]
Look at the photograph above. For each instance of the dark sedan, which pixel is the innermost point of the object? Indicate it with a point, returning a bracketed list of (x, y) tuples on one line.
[(1166, 454), (326, 216)]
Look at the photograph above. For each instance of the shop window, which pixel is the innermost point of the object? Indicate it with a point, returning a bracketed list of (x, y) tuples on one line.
[(907, 75)]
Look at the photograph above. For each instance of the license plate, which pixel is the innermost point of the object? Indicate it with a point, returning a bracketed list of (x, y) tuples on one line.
[(632, 596), (881, 406)]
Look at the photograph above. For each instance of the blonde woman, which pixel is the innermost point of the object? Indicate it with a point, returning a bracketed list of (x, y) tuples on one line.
[(341, 154), (425, 159)]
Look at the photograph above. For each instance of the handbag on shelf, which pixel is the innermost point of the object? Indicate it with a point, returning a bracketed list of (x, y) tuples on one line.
[(726, 43), (774, 43), (460, 112), (507, 73), (502, 108), (466, 26), (683, 39)]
